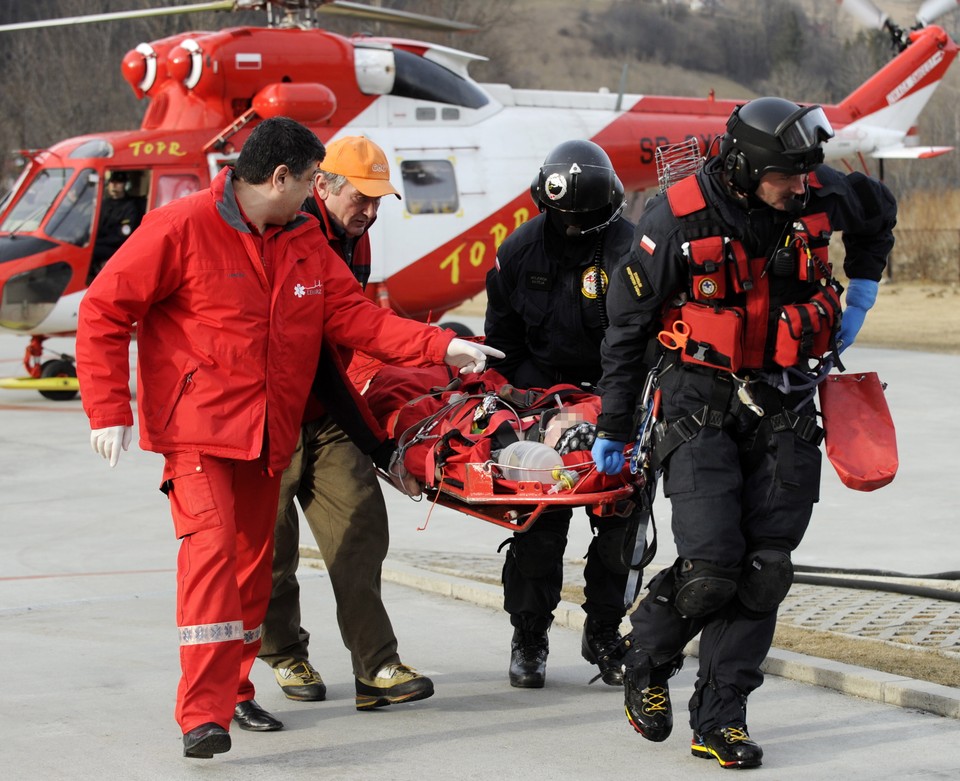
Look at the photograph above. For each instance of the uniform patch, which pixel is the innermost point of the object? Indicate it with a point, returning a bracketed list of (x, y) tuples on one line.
[(636, 280), (647, 244), (537, 280), (707, 288), (588, 282)]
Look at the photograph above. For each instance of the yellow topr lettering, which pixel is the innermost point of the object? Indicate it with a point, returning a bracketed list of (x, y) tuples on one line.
[(453, 262), (499, 233), (477, 251)]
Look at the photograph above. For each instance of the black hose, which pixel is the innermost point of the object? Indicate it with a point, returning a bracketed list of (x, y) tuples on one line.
[(876, 585), (955, 575)]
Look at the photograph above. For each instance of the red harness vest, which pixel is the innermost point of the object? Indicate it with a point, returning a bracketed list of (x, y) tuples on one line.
[(737, 337)]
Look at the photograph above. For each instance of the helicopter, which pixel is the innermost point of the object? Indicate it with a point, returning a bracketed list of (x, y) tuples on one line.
[(463, 151)]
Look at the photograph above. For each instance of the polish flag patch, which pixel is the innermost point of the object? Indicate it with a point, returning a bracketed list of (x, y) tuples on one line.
[(648, 244)]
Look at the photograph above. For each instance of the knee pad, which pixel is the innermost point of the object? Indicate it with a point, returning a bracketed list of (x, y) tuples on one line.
[(702, 587), (537, 556), (766, 580), (608, 547)]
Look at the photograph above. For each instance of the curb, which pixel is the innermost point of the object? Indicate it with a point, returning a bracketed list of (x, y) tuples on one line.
[(845, 678)]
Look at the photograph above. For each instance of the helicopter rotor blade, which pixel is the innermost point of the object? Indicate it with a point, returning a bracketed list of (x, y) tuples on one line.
[(866, 12), (932, 10), (393, 16), (332, 7), (219, 5)]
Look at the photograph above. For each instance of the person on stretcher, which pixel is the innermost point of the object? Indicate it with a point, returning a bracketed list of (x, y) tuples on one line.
[(441, 423)]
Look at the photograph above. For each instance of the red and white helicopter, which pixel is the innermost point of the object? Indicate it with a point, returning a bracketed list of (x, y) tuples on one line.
[(463, 153)]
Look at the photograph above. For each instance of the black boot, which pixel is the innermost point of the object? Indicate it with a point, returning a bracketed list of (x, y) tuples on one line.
[(646, 699), (599, 645), (528, 659), (731, 746)]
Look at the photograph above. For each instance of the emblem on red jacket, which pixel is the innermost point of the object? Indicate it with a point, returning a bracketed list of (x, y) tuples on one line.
[(300, 291)]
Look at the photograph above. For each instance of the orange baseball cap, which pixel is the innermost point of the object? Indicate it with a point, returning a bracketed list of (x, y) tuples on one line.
[(362, 162)]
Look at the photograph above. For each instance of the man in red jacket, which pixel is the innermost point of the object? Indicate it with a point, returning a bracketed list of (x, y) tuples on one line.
[(332, 477), (233, 292)]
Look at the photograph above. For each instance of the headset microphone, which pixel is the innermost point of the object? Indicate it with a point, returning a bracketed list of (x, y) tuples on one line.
[(793, 206)]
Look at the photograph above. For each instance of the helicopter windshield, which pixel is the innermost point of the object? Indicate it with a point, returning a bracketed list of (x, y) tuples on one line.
[(72, 222), (27, 214), (420, 78), (386, 71)]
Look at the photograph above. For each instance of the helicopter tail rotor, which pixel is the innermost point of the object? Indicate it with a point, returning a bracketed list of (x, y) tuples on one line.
[(865, 12), (932, 10)]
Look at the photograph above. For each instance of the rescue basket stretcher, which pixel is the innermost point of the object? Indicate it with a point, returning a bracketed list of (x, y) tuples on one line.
[(455, 435)]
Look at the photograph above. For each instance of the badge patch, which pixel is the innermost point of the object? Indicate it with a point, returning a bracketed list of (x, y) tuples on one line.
[(707, 288), (647, 244), (537, 280), (555, 187), (588, 282), (637, 281)]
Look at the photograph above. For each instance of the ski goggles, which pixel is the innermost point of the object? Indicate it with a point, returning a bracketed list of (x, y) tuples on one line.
[(804, 130)]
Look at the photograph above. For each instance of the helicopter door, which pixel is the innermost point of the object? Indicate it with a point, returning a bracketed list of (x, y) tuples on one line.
[(171, 185)]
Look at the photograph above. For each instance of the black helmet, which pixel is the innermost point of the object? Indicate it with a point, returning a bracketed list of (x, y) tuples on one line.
[(772, 134), (577, 177)]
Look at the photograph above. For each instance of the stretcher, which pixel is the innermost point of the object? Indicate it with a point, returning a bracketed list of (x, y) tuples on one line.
[(480, 446)]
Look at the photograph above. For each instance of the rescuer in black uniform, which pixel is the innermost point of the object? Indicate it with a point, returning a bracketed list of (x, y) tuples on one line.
[(545, 310), (737, 253), (120, 214)]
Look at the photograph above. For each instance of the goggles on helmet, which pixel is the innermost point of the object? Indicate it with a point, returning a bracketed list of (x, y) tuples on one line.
[(804, 130)]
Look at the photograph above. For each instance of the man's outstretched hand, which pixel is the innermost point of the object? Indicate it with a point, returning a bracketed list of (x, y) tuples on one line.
[(470, 357)]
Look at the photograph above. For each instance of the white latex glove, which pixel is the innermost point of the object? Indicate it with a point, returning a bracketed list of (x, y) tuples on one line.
[(109, 441), (470, 357)]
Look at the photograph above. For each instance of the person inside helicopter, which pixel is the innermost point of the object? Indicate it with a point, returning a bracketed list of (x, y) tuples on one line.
[(120, 214)]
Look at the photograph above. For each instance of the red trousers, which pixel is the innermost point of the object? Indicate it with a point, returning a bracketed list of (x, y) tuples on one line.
[(223, 512)]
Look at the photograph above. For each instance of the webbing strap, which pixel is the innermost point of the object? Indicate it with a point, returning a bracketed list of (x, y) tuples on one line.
[(803, 426), (669, 436)]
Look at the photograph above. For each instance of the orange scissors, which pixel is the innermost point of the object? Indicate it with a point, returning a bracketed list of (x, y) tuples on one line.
[(676, 337)]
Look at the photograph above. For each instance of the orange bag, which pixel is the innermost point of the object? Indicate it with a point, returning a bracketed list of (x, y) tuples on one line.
[(859, 432)]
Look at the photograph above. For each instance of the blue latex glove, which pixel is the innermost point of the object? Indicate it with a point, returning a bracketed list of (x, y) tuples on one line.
[(861, 296), (608, 455)]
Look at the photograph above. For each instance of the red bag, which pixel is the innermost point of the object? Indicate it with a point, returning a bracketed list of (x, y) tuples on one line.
[(859, 432)]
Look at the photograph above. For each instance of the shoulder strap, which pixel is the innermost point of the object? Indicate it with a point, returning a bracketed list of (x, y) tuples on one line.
[(689, 205)]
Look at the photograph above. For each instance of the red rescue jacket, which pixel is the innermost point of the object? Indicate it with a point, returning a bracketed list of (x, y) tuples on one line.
[(225, 361)]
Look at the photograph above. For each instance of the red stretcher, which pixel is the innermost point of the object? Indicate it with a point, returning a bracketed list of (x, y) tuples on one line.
[(460, 438)]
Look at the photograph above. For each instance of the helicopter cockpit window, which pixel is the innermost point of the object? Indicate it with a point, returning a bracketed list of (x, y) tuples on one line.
[(27, 214), (426, 80), (429, 186), (73, 220)]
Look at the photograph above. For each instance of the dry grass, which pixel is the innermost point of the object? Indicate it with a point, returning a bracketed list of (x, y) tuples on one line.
[(922, 665)]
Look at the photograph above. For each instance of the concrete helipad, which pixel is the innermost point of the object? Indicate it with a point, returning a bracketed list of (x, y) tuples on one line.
[(88, 663)]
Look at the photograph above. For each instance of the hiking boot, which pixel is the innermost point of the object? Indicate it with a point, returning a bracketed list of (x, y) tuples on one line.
[(392, 684), (599, 646), (730, 746), (301, 682), (528, 659), (648, 709)]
